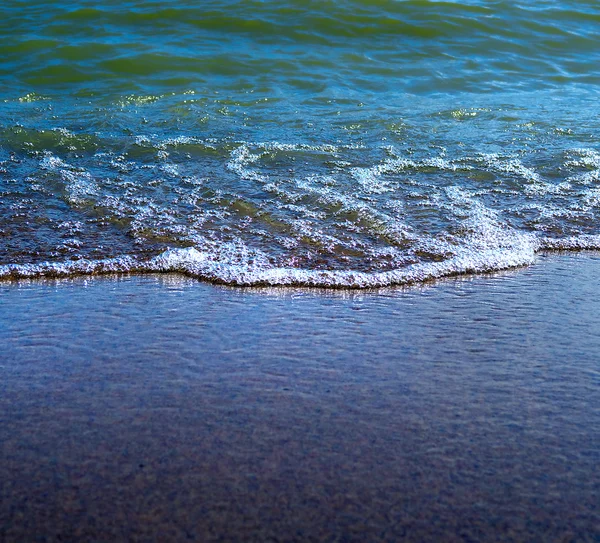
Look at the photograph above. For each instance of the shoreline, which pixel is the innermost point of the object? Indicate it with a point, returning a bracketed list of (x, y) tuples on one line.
[(98, 271), (181, 262), (148, 406)]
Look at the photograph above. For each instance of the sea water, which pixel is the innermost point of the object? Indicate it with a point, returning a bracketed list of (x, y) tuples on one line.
[(351, 143)]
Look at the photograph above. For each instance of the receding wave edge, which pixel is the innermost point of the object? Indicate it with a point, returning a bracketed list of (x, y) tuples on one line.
[(194, 263)]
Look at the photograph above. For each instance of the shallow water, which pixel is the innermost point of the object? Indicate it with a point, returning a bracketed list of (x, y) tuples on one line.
[(354, 143), (462, 410)]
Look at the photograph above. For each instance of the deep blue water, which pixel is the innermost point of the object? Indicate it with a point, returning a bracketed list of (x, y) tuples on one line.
[(348, 143)]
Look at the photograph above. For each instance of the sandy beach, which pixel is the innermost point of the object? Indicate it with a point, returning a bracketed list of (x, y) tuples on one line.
[(160, 408)]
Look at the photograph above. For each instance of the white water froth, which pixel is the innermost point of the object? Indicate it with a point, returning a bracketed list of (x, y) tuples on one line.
[(79, 184), (233, 269)]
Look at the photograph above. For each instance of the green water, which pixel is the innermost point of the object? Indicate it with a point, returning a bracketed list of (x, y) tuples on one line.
[(323, 143)]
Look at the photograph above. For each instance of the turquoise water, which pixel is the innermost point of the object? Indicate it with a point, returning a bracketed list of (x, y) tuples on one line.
[(349, 143)]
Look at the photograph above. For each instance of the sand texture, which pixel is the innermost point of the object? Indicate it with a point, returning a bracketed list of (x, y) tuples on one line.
[(159, 408)]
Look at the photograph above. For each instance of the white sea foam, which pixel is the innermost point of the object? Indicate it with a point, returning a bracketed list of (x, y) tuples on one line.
[(234, 264), (571, 243), (372, 179), (239, 163), (584, 158), (316, 217), (79, 184), (512, 166)]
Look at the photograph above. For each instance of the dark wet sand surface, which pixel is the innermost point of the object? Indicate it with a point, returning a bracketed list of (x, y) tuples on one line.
[(158, 408)]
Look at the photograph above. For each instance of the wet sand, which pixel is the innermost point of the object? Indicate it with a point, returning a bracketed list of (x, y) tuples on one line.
[(158, 408)]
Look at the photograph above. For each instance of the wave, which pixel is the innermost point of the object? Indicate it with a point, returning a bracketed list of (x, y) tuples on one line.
[(415, 45), (228, 267)]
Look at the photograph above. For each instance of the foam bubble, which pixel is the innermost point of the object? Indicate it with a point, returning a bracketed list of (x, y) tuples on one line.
[(237, 265), (79, 184), (511, 166), (571, 243)]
